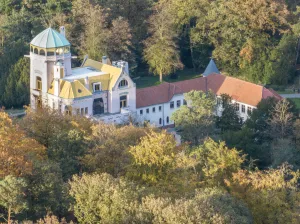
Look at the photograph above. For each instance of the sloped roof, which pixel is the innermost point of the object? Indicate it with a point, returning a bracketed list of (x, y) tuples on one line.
[(50, 38), (211, 68), (114, 72), (239, 90)]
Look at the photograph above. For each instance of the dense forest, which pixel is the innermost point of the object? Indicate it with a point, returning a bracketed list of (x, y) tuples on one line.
[(57, 168), (257, 40)]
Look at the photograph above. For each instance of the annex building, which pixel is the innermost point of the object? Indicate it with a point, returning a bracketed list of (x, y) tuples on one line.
[(105, 91)]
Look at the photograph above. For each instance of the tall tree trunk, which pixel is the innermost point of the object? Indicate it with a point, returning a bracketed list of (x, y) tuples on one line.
[(191, 46), (298, 49), (8, 215), (160, 77)]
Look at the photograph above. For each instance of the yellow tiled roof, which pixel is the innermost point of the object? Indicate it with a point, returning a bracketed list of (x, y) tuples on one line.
[(75, 89), (114, 72)]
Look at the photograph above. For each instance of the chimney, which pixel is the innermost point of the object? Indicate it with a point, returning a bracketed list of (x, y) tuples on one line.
[(56, 87), (87, 84), (62, 31), (104, 60)]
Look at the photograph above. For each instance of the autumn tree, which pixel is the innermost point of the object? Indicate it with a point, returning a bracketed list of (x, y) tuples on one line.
[(17, 151), (196, 120), (12, 195), (161, 51), (268, 193), (216, 162), (100, 198)]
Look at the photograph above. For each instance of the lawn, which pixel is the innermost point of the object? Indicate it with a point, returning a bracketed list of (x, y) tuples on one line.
[(146, 81), (296, 101)]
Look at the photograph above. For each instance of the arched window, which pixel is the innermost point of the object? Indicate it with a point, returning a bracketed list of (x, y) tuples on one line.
[(66, 50), (38, 83), (36, 51), (168, 120), (123, 83), (50, 53), (42, 52), (59, 51), (68, 110)]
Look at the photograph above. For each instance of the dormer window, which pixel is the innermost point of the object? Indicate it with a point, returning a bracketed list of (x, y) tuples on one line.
[(97, 86), (123, 83)]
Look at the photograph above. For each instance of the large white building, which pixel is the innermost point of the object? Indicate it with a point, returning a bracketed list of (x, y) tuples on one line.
[(105, 91)]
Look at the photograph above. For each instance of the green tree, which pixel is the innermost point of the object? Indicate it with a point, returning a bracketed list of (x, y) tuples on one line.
[(100, 198), (216, 162), (12, 195), (229, 120), (46, 191), (208, 205), (161, 51), (196, 120)]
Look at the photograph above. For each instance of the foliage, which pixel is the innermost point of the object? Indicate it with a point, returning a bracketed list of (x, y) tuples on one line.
[(17, 151), (216, 162), (99, 198), (230, 119), (109, 153), (207, 206), (268, 193), (161, 51), (196, 119), (12, 195)]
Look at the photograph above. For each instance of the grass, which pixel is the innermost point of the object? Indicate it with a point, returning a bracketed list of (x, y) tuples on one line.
[(296, 101), (286, 91), (146, 81)]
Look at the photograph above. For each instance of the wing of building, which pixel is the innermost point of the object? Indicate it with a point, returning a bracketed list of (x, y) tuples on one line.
[(105, 91)]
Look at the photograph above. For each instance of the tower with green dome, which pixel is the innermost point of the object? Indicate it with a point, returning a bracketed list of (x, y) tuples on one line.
[(49, 51)]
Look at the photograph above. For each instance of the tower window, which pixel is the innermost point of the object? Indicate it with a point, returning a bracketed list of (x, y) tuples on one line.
[(36, 51), (123, 83), (123, 101), (50, 53), (38, 83), (42, 52)]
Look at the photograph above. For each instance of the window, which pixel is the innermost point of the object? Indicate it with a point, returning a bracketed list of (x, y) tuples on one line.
[(243, 108), (68, 110), (36, 51), (147, 110), (141, 112), (42, 52), (50, 53), (82, 111), (153, 109), (249, 110), (123, 101), (172, 104), (38, 83), (184, 102), (97, 86), (86, 111), (167, 120), (123, 83), (237, 106), (59, 107), (178, 103), (160, 120), (159, 108)]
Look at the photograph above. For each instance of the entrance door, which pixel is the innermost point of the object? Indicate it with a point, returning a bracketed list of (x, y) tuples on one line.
[(98, 106)]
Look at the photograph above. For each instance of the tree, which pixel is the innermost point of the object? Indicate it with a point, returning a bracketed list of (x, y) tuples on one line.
[(153, 157), (216, 162), (110, 145), (229, 120), (100, 198), (17, 151), (208, 205), (196, 120), (120, 42), (161, 51), (46, 191), (12, 192), (281, 120), (268, 193)]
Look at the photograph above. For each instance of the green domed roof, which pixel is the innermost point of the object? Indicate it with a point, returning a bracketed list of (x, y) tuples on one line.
[(50, 38)]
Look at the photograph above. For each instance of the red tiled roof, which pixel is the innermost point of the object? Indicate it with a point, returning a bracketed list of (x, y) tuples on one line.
[(239, 90)]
